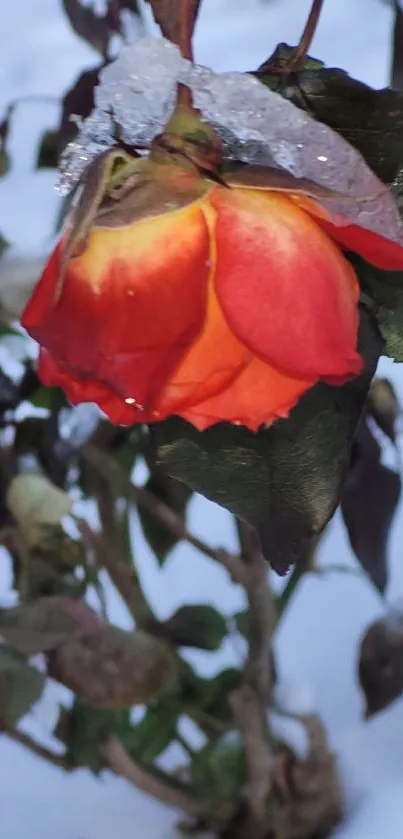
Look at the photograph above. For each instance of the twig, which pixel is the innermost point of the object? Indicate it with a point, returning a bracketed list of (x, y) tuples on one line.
[(40, 751), (167, 790), (123, 576), (297, 60), (110, 470)]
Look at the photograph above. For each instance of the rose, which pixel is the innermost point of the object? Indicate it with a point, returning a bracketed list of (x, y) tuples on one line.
[(172, 292)]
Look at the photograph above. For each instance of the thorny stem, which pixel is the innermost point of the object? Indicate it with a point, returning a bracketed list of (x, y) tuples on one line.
[(302, 49)]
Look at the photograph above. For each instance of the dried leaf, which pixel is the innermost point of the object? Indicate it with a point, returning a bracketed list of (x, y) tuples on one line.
[(370, 498), (20, 686), (36, 504), (380, 666), (77, 102), (96, 29), (112, 668)]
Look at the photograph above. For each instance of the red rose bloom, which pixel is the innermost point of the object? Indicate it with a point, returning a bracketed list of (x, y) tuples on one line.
[(188, 297)]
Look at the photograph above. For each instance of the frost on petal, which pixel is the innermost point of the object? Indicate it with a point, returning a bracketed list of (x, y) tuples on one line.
[(255, 124)]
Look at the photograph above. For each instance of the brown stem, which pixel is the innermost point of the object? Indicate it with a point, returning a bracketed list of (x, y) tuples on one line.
[(250, 702), (25, 740), (261, 612), (257, 756), (110, 470), (188, 17), (163, 789), (297, 60)]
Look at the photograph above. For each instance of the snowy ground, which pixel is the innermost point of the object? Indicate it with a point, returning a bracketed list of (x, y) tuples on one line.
[(318, 640)]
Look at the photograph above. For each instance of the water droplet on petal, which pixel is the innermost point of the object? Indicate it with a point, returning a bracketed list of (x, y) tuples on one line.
[(132, 401)]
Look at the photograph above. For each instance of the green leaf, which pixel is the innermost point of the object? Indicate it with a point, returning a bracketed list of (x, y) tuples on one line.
[(20, 685), (285, 480), (44, 624), (371, 120), (176, 495), (155, 732), (84, 731), (198, 625), (218, 771), (215, 693)]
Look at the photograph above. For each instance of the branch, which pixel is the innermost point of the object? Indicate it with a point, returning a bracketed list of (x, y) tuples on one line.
[(123, 576), (250, 702), (163, 789), (302, 49), (40, 751), (110, 470), (245, 706), (261, 612)]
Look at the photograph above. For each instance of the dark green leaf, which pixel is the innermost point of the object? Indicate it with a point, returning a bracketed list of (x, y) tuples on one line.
[(155, 732), (242, 624), (176, 495), (370, 498), (20, 686), (198, 625), (49, 150), (371, 120), (215, 693), (286, 480), (84, 731), (384, 290)]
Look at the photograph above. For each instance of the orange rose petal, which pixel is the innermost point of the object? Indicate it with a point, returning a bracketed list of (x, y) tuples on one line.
[(285, 288), (131, 304), (260, 394), (211, 363), (381, 252)]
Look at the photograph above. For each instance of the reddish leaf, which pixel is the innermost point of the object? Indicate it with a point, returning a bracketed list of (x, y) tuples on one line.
[(380, 665)]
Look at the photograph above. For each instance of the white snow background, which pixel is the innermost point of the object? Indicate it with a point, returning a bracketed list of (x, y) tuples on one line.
[(318, 640)]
